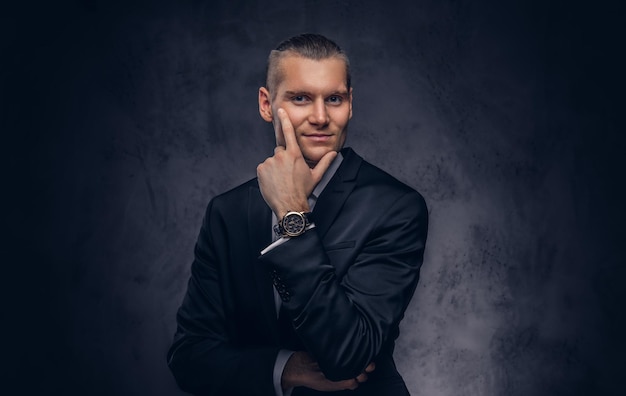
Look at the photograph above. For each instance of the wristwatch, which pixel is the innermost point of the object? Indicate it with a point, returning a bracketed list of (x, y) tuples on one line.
[(293, 224)]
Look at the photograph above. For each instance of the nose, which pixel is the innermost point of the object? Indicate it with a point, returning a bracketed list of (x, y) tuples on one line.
[(319, 114)]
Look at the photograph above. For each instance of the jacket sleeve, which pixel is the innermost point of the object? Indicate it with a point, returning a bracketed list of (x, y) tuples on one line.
[(344, 323), (202, 357)]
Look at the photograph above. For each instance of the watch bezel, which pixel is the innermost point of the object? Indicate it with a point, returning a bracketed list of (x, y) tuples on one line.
[(288, 228)]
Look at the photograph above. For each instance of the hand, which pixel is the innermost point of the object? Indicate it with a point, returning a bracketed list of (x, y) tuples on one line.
[(302, 370), (286, 181)]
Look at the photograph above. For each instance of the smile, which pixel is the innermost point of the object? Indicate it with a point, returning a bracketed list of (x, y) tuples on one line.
[(318, 137)]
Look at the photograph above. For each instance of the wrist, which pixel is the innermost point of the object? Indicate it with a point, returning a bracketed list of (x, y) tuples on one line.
[(293, 368), (282, 212), (293, 224)]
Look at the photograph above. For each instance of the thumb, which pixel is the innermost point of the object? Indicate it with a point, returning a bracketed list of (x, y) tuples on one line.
[(323, 165)]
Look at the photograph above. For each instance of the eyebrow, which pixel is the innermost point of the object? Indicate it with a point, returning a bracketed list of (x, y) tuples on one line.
[(291, 93)]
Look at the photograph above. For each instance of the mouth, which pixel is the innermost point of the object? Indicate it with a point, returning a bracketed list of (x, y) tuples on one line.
[(318, 137)]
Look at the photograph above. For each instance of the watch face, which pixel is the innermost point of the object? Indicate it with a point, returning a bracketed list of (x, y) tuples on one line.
[(294, 224)]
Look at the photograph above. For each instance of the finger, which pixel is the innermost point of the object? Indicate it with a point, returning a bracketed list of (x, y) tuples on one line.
[(278, 132), (291, 144), (350, 384), (323, 165), (370, 367), (353, 384), (361, 378)]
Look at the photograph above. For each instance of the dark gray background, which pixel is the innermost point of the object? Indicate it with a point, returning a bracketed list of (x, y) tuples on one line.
[(120, 121)]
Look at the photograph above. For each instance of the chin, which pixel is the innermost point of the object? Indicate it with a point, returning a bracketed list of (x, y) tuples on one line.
[(316, 155)]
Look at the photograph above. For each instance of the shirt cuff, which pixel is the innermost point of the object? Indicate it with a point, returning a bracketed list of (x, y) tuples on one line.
[(279, 366), (277, 242), (280, 241)]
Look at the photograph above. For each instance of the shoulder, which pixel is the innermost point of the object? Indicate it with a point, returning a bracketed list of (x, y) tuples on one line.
[(241, 190), (382, 186), (236, 197)]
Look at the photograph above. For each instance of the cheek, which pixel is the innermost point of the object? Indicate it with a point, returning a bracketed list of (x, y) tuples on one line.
[(296, 115), (341, 119)]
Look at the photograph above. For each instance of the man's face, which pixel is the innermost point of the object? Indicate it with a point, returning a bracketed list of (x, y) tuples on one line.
[(317, 101)]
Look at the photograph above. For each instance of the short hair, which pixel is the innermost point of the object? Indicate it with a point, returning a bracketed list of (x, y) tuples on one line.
[(308, 45)]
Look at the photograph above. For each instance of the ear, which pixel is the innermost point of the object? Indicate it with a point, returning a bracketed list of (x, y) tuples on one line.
[(350, 100), (265, 105)]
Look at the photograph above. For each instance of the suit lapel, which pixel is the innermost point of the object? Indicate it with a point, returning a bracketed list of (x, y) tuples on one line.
[(331, 200), (259, 231)]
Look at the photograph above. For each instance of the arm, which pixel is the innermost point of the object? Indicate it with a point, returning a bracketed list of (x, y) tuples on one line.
[(202, 358), (345, 322)]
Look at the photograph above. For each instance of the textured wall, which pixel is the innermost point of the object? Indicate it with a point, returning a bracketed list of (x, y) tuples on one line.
[(132, 117)]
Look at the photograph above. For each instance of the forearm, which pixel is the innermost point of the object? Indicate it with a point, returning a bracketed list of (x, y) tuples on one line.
[(202, 367), (345, 320), (340, 337)]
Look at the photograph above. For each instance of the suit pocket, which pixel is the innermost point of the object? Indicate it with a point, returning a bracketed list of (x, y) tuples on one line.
[(340, 245)]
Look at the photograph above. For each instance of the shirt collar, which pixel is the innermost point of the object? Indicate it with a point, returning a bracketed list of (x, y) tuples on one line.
[(330, 172)]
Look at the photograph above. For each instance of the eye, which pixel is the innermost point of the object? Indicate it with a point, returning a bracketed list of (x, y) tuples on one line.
[(334, 99), (299, 99)]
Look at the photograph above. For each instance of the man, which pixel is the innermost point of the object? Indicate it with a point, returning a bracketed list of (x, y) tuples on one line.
[(316, 307)]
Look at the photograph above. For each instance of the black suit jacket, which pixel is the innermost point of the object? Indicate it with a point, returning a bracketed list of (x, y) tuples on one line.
[(345, 285)]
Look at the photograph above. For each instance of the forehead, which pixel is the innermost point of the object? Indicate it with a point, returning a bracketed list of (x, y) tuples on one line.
[(310, 75)]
